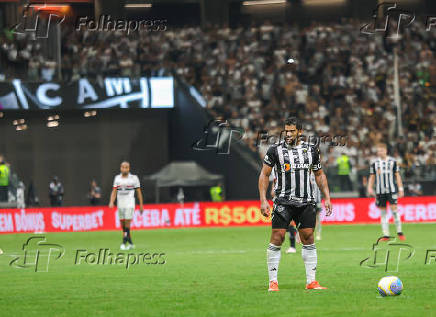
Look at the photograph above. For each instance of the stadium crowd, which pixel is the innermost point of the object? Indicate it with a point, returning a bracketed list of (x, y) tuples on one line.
[(341, 83)]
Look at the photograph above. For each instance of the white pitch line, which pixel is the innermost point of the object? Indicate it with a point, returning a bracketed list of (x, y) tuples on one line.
[(211, 252), (258, 250), (369, 249), (344, 249)]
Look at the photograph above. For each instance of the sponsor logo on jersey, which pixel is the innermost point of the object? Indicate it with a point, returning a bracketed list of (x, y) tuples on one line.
[(280, 208), (288, 166)]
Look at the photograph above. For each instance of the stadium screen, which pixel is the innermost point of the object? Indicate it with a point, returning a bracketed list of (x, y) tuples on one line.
[(111, 92)]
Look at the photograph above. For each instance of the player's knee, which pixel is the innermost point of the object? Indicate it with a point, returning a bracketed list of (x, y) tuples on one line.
[(277, 238), (306, 237), (307, 240)]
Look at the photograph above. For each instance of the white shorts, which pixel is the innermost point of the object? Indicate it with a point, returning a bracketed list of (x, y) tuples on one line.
[(126, 213)]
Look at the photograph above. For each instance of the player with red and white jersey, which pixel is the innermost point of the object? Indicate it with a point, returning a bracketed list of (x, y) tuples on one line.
[(124, 187)]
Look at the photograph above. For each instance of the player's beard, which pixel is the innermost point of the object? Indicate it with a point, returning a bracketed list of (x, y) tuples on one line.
[(290, 141)]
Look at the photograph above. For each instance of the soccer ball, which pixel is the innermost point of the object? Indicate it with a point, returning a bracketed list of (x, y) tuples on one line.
[(390, 286)]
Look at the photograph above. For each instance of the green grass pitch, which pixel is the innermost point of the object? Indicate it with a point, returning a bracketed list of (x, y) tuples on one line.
[(217, 272)]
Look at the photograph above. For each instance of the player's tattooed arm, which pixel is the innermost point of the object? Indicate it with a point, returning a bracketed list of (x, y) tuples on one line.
[(263, 187), (321, 181), (272, 193)]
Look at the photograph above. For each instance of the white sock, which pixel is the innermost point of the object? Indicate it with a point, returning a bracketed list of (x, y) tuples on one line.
[(310, 259), (397, 221), (384, 222), (273, 259)]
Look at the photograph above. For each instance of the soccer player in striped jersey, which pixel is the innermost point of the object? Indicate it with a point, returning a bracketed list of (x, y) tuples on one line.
[(124, 188), (294, 161), (385, 172)]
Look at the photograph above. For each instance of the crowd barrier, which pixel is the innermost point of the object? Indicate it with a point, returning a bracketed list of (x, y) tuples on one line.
[(198, 214)]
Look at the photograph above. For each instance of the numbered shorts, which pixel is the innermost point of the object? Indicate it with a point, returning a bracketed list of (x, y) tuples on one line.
[(126, 213), (382, 199), (304, 216)]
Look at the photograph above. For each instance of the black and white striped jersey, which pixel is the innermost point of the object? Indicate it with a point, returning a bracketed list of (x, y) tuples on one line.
[(293, 166), (316, 190), (384, 171)]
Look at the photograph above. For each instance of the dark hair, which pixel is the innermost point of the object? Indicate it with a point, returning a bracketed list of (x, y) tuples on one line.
[(294, 121)]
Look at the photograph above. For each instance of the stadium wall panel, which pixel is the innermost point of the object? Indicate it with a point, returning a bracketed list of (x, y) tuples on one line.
[(81, 149)]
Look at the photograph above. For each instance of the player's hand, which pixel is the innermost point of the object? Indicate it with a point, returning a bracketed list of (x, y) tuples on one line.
[(265, 208), (141, 209), (401, 193), (111, 205), (328, 207), (371, 193)]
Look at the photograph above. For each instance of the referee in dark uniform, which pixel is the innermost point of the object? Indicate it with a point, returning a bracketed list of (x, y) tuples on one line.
[(294, 161)]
